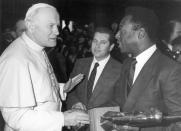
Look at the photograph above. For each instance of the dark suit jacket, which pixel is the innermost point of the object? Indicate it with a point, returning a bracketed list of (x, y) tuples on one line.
[(158, 85), (105, 89)]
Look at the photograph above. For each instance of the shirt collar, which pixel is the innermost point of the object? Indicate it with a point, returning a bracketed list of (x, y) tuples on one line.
[(101, 62), (31, 43), (145, 55)]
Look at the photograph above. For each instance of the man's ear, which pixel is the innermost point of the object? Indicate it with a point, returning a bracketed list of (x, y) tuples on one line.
[(111, 47), (141, 33), (30, 26)]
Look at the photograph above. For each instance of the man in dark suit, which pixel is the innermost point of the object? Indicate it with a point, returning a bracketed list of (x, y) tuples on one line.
[(103, 93), (157, 78)]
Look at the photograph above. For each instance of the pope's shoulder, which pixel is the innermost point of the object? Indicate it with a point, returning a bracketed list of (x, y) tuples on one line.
[(16, 51)]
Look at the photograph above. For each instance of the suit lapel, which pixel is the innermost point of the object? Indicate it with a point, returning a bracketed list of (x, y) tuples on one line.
[(141, 83), (86, 69), (107, 73)]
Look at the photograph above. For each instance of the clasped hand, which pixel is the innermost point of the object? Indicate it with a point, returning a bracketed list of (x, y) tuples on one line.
[(75, 117)]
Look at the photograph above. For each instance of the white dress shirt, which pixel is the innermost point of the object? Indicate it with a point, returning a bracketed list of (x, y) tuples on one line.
[(142, 59), (100, 68), (27, 100)]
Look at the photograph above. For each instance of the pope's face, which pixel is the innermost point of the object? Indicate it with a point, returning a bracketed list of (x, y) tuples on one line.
[(101, 46), (45, 29)]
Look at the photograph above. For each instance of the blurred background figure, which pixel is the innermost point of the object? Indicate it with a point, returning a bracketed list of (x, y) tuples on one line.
[(114, 27), (10, 34), (71, 58), (169, 32), (7, 37), (58, 63), (20, 27), (177, 49)]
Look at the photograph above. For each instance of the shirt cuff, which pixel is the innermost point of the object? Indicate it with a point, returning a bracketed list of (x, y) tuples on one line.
[(62, 94)]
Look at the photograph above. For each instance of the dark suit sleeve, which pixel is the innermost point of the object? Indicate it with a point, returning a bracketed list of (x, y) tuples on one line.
[(120, 93), (119, 98), (171, 90), (72, 96)]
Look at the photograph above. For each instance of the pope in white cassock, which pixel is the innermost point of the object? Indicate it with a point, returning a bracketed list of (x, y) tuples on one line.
[(29, 93)]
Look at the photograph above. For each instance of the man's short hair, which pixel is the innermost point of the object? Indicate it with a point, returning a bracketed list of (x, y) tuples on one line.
[(32, 11), (107, 31), (144, 18)]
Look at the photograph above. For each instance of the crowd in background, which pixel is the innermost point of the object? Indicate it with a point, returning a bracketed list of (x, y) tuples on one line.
[(71, 45), (75, 43)]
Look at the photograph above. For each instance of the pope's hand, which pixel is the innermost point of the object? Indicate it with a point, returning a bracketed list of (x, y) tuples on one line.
[(75, 117), (71, 83)]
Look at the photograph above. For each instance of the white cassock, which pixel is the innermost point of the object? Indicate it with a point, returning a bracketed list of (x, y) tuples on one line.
[(28, 102)]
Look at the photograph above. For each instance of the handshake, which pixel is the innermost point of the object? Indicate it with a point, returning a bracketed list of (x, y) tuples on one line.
[(76, 118)]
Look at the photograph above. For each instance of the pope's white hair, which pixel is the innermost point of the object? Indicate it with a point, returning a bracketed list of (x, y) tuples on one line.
[(34, 8)]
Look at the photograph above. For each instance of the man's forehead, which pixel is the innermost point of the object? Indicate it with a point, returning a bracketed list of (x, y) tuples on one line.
[(101, 34)]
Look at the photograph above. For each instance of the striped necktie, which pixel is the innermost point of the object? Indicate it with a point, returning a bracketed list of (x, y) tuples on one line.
[(131, 75), (90, 82)]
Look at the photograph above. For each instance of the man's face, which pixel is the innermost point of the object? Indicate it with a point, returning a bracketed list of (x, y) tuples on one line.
[(101, 46), (45, 29), (126, 36)]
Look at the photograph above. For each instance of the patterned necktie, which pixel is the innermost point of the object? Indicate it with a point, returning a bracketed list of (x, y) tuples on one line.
[(90, 82), (54, 83), (131, 75)]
